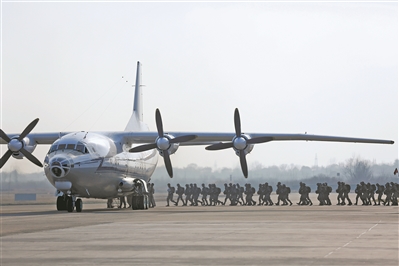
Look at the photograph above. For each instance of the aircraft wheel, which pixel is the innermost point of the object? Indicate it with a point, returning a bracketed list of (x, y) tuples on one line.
[(141, 202), (79, 205), (69, 204), (135, 202), (61, 204)]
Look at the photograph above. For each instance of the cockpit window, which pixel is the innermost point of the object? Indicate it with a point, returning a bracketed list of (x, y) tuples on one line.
[(61, 147), (53, 148), (82, 148), (70, 146)]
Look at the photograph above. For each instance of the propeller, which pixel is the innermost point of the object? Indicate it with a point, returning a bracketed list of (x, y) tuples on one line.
[(239, 143), (162, 143), (17, 145)]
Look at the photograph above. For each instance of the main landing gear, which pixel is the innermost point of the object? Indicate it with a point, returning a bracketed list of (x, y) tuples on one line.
[(140, 202), (69, 203)]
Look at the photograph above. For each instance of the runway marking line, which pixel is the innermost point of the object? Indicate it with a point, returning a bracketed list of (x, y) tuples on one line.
[(368, 230)]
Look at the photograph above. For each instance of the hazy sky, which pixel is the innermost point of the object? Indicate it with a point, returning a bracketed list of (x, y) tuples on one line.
[(320, 68)]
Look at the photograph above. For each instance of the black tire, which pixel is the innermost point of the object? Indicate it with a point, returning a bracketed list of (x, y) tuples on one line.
[(79, 205), (69, 204), (141, 202), (61, 204), (135, 203)]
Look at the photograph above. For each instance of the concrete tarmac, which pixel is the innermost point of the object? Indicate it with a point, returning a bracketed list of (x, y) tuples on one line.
[(221, 235)]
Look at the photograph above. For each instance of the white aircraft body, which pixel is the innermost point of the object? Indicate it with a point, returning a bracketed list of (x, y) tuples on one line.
[(111, 164)]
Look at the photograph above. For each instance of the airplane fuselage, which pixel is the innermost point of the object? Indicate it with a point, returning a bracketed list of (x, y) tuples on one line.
[(92, 165)]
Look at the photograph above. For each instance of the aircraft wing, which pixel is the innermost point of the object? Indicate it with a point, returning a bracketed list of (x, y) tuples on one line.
[(208, 138), (203, 138), (38, 138)]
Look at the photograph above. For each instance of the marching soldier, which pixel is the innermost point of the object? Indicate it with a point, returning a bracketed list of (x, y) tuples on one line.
[(179, 192), (171, 191)]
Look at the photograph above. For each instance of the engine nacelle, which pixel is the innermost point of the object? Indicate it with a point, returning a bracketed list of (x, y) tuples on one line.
[(25, 144), (247, 147), (170, 147)]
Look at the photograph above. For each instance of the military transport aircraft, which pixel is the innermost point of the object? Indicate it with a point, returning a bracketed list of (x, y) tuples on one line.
[(112, 164)]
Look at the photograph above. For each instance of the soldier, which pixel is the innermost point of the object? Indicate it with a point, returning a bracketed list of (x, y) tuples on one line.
[(179, 192), (188, 193), (240, 191), (302, 192), (233, 195), (227, 193), (308, 190), (217, 193), (122, 201), (346, 191), (171, 191), (395, 192), (249, 191), (358, 192), (109, 203), (151, 198), (388, 192), (212, 193), (268, 191), (365, 193), (204, 192), (340, 193), (380, 192), (196, 193), (278, 193), (284, 192), (371, 190), (261, 193)]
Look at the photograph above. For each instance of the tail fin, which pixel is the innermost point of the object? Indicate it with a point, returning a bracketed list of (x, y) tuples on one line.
[(138, 103), (136, 120)]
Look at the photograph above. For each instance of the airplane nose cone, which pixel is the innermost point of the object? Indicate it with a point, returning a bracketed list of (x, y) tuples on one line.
[(60, 166)]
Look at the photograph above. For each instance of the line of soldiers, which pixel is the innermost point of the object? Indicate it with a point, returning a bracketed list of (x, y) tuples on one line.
[(235, 194), (366, 193)]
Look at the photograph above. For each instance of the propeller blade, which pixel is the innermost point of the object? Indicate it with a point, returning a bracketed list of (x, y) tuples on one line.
[(31, 158), (158, 121), (219, 146), (259, 140), (243, 162), (168, 164), (237, 122), (183, 138), (5, 158), (4, 136), (144, 147), (28, 129)]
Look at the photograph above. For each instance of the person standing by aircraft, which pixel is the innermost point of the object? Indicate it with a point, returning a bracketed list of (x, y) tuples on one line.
[(171, 191), (122, 201), (151, 192)]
